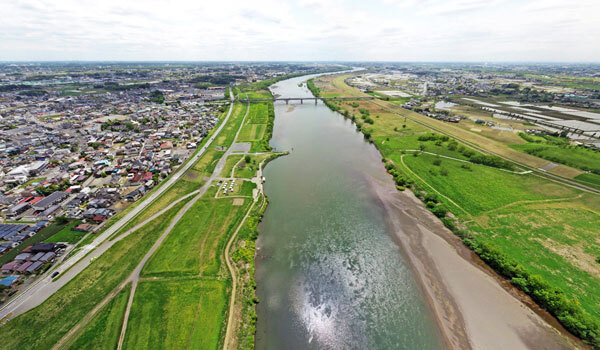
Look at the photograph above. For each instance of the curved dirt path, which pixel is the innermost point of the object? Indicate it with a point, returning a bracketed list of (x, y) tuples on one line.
[(229, 332)]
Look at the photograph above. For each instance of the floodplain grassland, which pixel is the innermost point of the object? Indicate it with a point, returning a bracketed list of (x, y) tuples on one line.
[(258, 126), (540, 234), (243, 252), (231, 161), (103, 330), (185, 313), (44, 325), (247, 170), (573, 156), (195, 244), (493, 188)]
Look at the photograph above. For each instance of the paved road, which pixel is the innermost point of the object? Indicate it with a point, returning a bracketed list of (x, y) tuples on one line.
[(44, 287)]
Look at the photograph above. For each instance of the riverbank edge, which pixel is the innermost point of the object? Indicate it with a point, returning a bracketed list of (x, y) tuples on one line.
[(466, 251)]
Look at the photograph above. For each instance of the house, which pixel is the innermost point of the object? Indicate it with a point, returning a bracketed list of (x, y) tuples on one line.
[(83, 228), (9, 281), (34, 267), (18, 209), (46, 247), (23, 257), (10, 267), (50, 200), (37, 256), (47, 257), (136, 194), (24, 267)]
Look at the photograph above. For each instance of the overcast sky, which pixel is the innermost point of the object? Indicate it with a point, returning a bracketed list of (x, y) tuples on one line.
[(373, 30)]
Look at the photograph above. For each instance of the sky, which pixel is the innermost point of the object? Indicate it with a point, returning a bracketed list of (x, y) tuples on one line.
[(301, 30)]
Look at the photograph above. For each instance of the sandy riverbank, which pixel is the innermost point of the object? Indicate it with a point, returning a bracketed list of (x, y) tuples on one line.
[(472, 308)]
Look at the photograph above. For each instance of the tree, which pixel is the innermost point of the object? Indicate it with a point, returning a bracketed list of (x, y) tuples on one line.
[(247, 158), (61, 220)]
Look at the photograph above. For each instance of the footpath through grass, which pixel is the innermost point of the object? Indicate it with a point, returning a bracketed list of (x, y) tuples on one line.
[(104, 329)]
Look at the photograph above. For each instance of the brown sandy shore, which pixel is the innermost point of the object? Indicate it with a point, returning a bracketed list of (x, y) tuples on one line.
[(473, 308)]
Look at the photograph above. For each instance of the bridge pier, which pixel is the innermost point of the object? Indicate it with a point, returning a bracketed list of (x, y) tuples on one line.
[(301, 101), (316, 99), (287, 102)]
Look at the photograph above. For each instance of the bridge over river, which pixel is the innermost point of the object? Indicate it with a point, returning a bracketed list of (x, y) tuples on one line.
[(302, 99)]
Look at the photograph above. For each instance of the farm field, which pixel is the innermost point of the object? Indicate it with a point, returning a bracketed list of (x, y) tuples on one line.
[(177, 314), (547, 228), (66, 234), (258, 126), (102, 332)]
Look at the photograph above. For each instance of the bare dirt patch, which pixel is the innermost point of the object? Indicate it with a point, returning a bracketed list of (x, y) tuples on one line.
[(238, 201)]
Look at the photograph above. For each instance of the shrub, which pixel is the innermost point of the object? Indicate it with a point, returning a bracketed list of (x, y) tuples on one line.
[(437, 162), (440, 211), (431, 197)]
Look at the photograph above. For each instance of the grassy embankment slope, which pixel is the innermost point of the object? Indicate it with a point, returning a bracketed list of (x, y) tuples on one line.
[(560, 151), (44, 325), (539, 234)]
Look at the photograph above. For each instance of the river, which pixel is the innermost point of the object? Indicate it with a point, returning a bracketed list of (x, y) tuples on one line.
[(329, 272)]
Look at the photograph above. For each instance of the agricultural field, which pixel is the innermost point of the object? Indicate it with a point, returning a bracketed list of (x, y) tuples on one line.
[(66, 234), (258, 126), (103, 330), (184, 313), (546, 228)]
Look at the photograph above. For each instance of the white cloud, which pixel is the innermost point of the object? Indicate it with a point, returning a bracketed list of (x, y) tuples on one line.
[(384, 30)]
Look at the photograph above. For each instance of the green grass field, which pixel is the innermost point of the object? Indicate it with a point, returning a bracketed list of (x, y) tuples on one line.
[(557, 240), (576, 157), (177, 314), (194, 246), (482, 188), (103, 330), (229, 164), (593, 179), (66, 234)]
